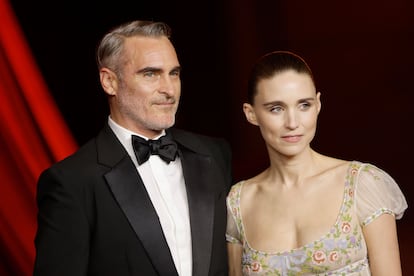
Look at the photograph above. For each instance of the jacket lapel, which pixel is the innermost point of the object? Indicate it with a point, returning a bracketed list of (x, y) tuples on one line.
[(200, 176), (131, 195), (197, 175)]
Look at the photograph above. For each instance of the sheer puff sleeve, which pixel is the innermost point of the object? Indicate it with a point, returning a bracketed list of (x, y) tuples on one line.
[(377, 193), (233, 234)]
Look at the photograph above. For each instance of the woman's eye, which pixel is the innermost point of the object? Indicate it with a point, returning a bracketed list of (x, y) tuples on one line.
[(276, 109), (304, 106)]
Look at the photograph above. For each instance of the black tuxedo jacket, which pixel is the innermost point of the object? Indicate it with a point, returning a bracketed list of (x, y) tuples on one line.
[(96, 218)]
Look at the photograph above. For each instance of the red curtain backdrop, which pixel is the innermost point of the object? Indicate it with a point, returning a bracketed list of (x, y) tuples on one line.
[(33, 136)]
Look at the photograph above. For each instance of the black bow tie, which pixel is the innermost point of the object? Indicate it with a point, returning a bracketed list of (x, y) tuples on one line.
[(165, 147)]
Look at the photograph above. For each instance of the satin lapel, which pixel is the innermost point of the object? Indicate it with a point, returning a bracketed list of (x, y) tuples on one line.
[(130, 192), (198, 173)]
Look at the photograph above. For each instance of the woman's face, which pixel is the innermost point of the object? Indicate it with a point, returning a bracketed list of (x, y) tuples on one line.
[(286, 109)]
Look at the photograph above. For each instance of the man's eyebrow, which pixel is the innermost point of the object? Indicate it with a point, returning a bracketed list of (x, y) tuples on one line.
[(176, 69), (157, 69), (149, 69)]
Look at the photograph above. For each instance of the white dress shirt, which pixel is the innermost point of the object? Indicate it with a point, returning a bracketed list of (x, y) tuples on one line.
[(166, 189)]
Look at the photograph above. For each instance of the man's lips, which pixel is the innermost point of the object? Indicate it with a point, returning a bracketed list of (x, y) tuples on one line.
[(171, 102)]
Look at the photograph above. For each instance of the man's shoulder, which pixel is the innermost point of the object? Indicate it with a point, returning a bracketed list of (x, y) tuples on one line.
[(78, 157), (197, 140), (87, 152)]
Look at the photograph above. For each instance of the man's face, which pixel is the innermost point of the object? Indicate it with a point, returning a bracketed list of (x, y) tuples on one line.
[(147, 94)]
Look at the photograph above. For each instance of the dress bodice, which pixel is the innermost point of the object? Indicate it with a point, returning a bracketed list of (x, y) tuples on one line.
[(341, 251)]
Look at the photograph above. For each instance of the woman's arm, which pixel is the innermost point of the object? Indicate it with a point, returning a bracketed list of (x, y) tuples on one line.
[(235, 251), (382, 243)]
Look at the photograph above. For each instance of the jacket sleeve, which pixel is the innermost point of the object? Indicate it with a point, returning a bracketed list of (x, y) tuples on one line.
[(62, 238)]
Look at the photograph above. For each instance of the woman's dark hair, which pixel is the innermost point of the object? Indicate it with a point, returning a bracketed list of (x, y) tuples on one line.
[(274, 63)]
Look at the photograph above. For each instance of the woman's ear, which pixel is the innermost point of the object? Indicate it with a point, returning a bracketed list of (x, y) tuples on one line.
[(109, 81), (250, 114), (318, 101)]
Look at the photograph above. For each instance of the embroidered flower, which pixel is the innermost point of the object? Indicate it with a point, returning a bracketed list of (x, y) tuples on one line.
[(318, 257), (354, 171), (256, 267), (333, 256), (346, 227)]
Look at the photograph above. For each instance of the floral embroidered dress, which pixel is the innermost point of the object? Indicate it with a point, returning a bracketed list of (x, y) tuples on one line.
[(369, 192)]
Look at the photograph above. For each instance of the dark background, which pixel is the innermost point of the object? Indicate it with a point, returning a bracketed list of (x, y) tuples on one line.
[(361, 53)]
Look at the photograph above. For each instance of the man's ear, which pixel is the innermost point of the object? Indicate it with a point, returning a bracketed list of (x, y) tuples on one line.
[(109, 81), (250, 114)]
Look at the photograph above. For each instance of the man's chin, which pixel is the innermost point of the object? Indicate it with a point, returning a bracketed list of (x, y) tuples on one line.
[(165, 125)]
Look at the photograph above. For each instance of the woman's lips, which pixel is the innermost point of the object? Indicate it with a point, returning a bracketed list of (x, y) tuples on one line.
[(292, 138)]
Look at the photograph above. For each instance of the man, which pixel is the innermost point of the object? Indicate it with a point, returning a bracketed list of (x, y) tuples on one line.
[(107, 209)]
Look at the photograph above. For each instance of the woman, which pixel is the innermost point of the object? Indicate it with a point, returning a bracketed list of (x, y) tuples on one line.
[(307, 213)]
